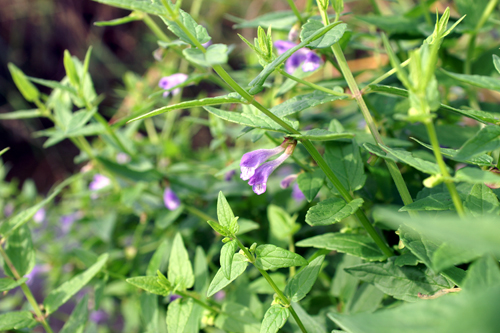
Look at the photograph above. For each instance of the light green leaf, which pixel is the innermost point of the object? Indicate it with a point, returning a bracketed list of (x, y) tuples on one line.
[(302, 282), (331, 211), (322, 135), (54, 84), (482, 201), (218, 228), (406, 259), (447, 256), (344, 285), (281, 225), (21, 114), (496, 62), (280, 21), (180, 271), (16, 320), (201, 272), (159, 258), (27, 89), (70, 68), (311, 324), (366, 299), (481, 81), (354, 244), (403, 283), (272, 257), (237, 318), (7, 284), (345, 161), (224, 212), (274, 319), (150, 284), (19, 248), (149, 312), (482, 274), (127, 172), (226, 257), (78, 319), (302, 102), (196, 30), (310, 183), (261, 78), (220, 282), (178, 314), (216, 54), (143, 6), (251, 120), (486, 140), (118, 21), (477, 176), (64, 292), (327, 40)]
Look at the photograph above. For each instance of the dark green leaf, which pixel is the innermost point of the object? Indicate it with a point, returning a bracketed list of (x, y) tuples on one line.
[(150, 284), (344, 285), (327, 40), (180, 271), (197, 31), (477, 176), (302, 102), (476, 80), (310, 183), (437, 201), (482, 274), (486, 140), (345, 161), (274, 319), (331, 211), (272, 257), (482, 201), (220, 282), (19, 248), (226, 257), (302, 282), (129, 173), (78, 318)]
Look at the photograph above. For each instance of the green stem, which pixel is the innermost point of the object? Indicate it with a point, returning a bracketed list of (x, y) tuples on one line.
[(187, 294), (199, 213), (385, 76), (109, 130), (444, 171), (26, 290), (155, 28), (312, 85), (295, 11)]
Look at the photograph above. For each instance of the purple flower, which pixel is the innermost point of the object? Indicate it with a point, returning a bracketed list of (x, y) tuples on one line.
[(220, 295), (285, 183), (99, 182), (229, 175), (173, 297), (99, 317), (39, 216), (297, 193), (168, 82), (67, 221), (8, 209), (251, 160), (207, 44), (171, 200), (310, 61), (122, 158), (262, 173), (37, 270)]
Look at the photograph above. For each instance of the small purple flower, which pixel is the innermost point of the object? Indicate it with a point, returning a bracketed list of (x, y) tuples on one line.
[(39, 216), (220, 295), (122, 158), (8, 209), (251, 160), (297, 193), (35, 272), (229, 175), (285, 183), (168, 82), (310, 61), (293, 34), (207, 44), (173, 297), (67, 221), (99, 182), (99, 316), (171, 200), (262, 173)]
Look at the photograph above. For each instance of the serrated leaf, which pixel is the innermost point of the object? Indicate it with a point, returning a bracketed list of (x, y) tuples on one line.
[(331, 211), (345, 161), (226, 257), (21, 114), (224, 212), (150, 284), (486, 140), (272, 257), (180, 271), (7, 284), (361, 246), (322, 135), (178, 314), (303, 102), (477, 176), (196, 30), (143, 6), (78, 319), (400, 282), (215, 54), (482, 201), (274, 319), (237, 318), (19, 248), (15, 320), (251, 120), (65, 291), (220, 282), (327, 40), (310, 183), (302, 282), (476, 80)]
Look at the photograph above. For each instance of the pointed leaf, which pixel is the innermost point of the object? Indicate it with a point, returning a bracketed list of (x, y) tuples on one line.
[(16, 320), (224, 212), (481, 81), (345, 161), (27, 89), (322, 135), (302, 282), (7, 284), (78, 318), (216, 54), (486, 140), (274, 319), (150, 284), (331, 211), (477, 176), (143, 6), (272, 257), (226, 257), (178, 314), (220, 282), (482, 201), (197, 31), (19, 249), (21, 114), (180, 271), (303, 102), (310, 183), (327, 40), (482, 274)]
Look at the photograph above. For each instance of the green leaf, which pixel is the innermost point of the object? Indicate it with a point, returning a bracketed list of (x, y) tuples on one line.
[(178, 314), (437, 201), (482, 274), (400, 24), (180, 272), (331, 211), (118, 21), (216, 54), (226, 99), (261, 286), (321, 135), (70, 68), (281, 225), (327, 40), (21, 114), (150, 284), (201, 272), (482, 201), (129, 173), (345, 161), (447, 256), (251, 120), (149, 312), (312, 325), (302, 102), (197, 31), (19, 248), (280, 21), (310, 183), (65, 291), (354, 244), (54, 84), (404, 157), (224, 212), (344, 285), (272, 257), (302, 282), (27, 89), (218, 228), (143, 6), (403, 283), (7, 284), (226, 257), (220, 282), (261, 78), (476, 80), (366, 299), (486, 140), (406, 259), (16, 320), (496, 62), (477, 176), (78, 319), (274, 319), (237, 318), (159, 258)]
